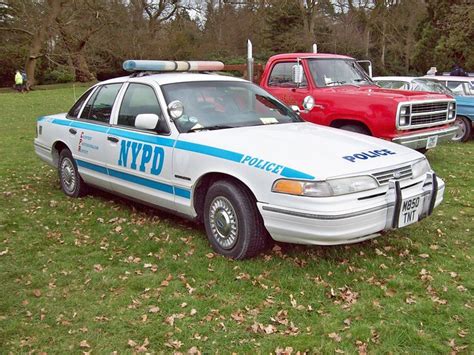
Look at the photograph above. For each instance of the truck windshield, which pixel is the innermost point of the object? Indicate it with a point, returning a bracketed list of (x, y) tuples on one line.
[(210, 105), (331, 72)]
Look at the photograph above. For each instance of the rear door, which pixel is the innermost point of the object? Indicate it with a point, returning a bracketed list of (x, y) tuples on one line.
[(89, 134), (139, 161)]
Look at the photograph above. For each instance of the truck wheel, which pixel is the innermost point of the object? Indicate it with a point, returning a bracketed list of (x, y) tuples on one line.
[(69, 178), (464, 129), (233, 223), (355, 128)]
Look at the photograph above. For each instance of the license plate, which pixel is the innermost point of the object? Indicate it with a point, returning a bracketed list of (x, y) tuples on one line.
[(431, 142), (410, 211)]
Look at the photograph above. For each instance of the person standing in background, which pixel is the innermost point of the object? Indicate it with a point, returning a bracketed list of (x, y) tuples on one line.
[(25, 86), (18, 81)]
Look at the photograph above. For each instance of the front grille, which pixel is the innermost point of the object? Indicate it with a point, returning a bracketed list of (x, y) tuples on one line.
[(429, 107), (428, 113), (428, 118), (401, 173)]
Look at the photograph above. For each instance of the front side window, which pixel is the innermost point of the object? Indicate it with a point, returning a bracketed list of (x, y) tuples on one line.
[(430, 86), (281, 76), (99, 106), (457, 87), (222, 104), (138, 99), (332, 72)]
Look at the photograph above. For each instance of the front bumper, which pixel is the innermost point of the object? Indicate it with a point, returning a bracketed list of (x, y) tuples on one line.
[(420, 140), (361, 223)]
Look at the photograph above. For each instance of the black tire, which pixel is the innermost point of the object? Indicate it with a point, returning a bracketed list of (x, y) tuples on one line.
[(69, 178), (355, 128), (233, 223), (422, 150), (465, 127)]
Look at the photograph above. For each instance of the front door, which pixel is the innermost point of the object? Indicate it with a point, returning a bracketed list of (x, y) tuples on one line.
[(139, 162)]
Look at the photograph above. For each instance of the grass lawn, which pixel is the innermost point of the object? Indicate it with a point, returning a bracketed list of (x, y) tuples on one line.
[(104, 274)]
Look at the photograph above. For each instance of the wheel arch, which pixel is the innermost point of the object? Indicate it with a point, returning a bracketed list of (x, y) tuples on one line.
[(203, 184), (339, 122), (57, 147)]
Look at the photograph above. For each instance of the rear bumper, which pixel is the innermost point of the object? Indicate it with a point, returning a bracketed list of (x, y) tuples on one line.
[(419, 140), (361, 223)]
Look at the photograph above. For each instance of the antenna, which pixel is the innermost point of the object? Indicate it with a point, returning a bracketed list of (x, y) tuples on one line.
[(74, 91), (250, 60)]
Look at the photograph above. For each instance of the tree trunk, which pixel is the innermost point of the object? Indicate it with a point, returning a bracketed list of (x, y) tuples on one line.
[(39, 38), (81, 68)]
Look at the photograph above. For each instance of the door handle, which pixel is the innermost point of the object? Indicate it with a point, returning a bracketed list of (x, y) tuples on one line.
[(112, 139), (72, 131)]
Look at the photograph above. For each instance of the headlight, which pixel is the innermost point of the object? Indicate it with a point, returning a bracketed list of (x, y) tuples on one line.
[(451, 111), (333, 187), (420, 167), (404, 116)]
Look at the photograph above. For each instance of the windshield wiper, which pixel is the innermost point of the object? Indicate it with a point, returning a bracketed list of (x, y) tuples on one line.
[(331, 83), (209, 128)]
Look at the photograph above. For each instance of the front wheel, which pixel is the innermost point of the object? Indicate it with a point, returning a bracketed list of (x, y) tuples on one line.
[(233, 223), (464, 129), (69, 178)]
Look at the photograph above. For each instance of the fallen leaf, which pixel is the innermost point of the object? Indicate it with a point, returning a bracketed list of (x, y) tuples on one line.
[(154, 309), (335, 336), (84, 344), (37, 293)]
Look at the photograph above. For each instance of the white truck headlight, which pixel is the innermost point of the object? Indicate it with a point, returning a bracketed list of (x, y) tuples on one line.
[(420, 167), (451, 111), (332, 187)]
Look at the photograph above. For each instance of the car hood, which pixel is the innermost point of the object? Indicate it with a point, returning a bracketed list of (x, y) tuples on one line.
[(378, 92), (303, 150)]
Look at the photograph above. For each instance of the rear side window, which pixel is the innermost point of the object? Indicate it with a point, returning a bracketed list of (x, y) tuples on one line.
[(281, 76), (99, 106), (74, 111)]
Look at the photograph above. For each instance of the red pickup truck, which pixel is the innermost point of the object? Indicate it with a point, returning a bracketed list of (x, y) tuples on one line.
[(346, 97)]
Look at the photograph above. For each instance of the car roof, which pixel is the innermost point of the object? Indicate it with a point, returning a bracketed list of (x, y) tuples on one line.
[(394, 78), (174, 77), (467, 79), (308, 55)]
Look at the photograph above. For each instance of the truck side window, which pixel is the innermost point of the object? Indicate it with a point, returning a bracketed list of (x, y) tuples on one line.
[(76, 109), (281, 76), (99, 106), (138, 99)]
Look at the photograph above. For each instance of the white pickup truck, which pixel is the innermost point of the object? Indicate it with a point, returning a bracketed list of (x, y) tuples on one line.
[(223, 151)]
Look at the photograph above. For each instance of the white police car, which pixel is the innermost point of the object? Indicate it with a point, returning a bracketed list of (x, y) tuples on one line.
[(224, 151)]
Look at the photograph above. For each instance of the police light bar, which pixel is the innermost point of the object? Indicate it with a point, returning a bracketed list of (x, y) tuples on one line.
[(169, 65)]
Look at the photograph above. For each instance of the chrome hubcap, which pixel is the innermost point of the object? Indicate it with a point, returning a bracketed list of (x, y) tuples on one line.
[(461, 129), (223, 222), (68, 175)]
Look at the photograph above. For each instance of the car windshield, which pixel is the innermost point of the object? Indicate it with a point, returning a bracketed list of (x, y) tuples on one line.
[(210, 105), (430, 86), (331, 72)]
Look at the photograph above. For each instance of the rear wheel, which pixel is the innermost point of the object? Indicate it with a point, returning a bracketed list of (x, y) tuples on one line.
[(233, 223), (355, 128), (69, 178), (464, 129)]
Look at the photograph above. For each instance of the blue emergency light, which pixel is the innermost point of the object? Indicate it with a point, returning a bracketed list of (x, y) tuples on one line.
[(169, 65)]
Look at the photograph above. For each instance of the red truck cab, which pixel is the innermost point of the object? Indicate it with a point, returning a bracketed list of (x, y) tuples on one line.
[(346, 97)]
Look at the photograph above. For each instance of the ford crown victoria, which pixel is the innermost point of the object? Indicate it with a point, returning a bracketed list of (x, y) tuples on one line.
[(223, 151)]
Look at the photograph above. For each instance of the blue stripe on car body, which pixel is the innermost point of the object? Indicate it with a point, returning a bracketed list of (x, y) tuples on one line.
[(182, 145), (174, 190)]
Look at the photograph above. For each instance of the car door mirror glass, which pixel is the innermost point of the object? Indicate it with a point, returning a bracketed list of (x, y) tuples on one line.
[(297, 74), (175, 109), (146, 121), (308, 103)]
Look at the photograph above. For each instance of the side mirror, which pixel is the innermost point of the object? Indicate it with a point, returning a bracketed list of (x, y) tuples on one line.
[(308, 103), (175, 109), (297, 74), (146, 121)]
